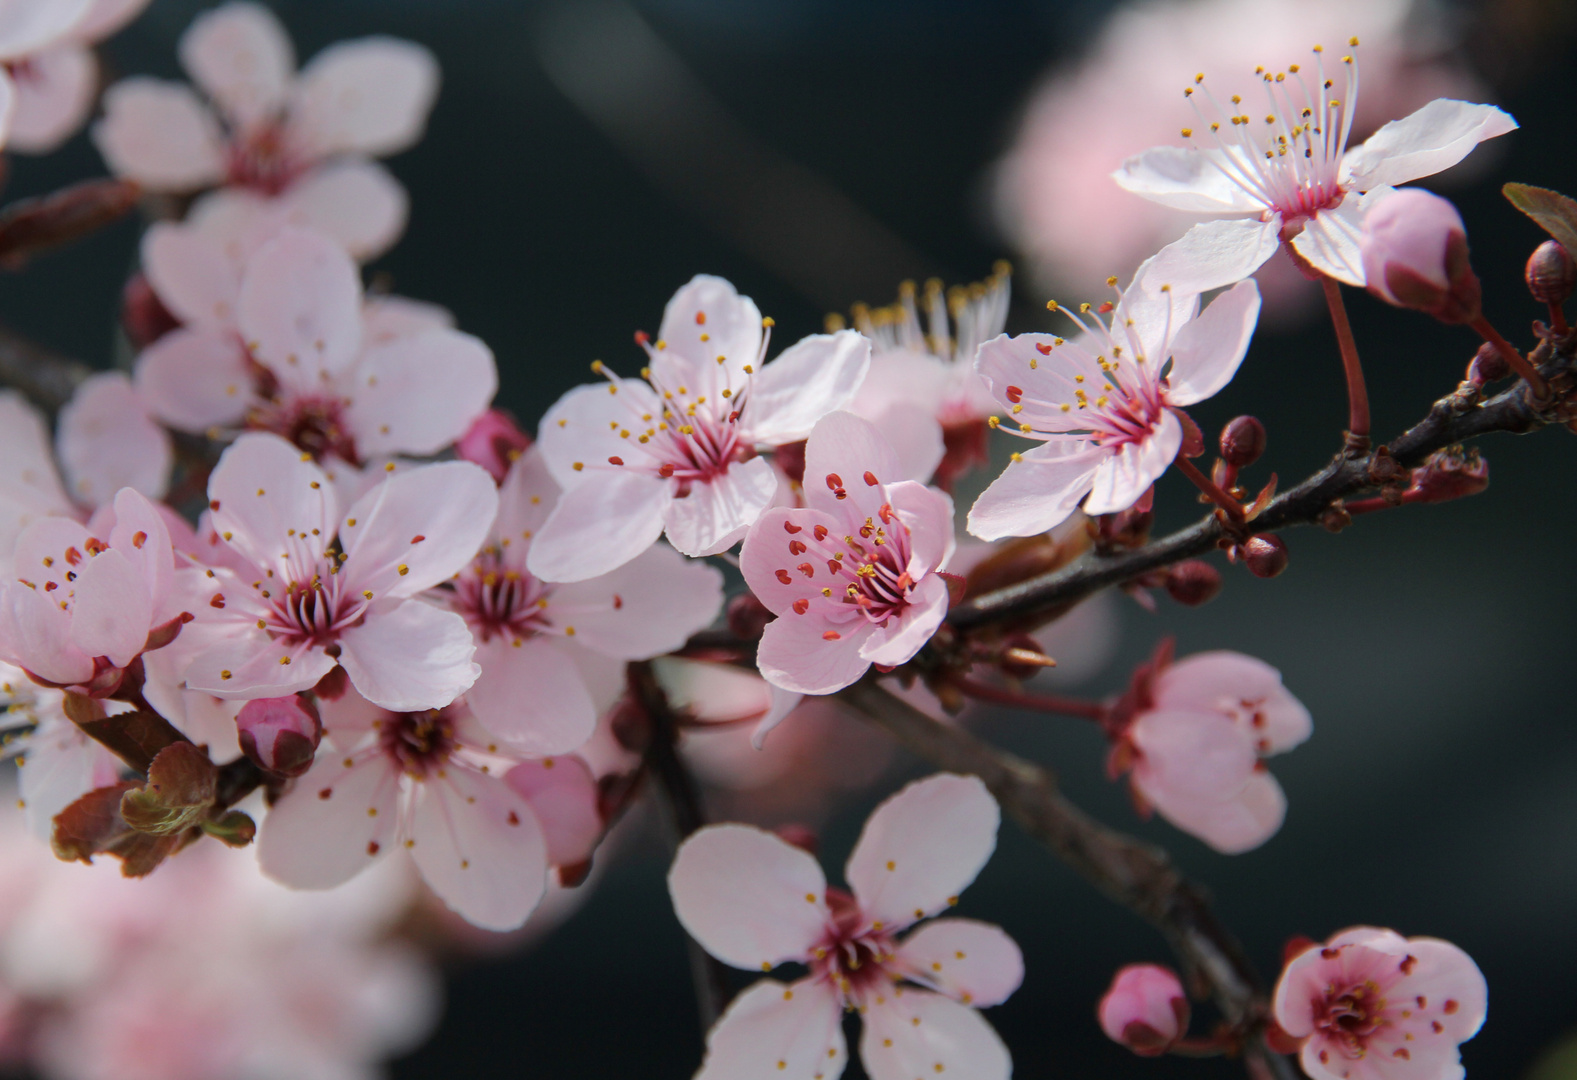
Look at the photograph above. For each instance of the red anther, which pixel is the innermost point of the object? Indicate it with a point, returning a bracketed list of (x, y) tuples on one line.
[(665, 470), (700, 318), (642, 337), (1014, 394), (418, 538), (139, 538), (791, 528), (870, 479), (834, 481), (783, 576), (831, 635), (820, 532), (217, 602), (1043, 348), (797, 547), (807, 569), (1106, 308), (615, 461), (801, 606)]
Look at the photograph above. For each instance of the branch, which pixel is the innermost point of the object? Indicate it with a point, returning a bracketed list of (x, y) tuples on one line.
[(46, 378), (1135, 874), (1453, 419)]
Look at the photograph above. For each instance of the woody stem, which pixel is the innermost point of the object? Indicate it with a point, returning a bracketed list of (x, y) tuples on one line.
[(1357, 393)]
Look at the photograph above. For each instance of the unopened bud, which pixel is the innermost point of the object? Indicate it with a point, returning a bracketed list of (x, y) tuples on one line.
[(1265, 555), (791, 459), (1193, 582), (280, 735), (1242, 442), (1415, 255), (1551, 273), (747, 616), (142, 314), (494, 441), (1488, 366), (1145, 1009)]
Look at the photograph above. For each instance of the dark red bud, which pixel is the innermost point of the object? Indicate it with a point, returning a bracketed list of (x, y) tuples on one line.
[(1488, 366), (791, 459), (1193, 582), (280, 735), (747, 616), (1265, 555), (143, 314), (1551, 273), (1242, 442)]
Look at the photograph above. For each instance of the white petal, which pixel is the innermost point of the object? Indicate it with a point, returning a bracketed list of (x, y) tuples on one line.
[(777, 1032), (240, 55), (752, 900), (846, 452), (107, 441), (1331, 240), (1123, 478), (1206, 352), (599, 526), (53, 98), (731, 323), (915, 1033), (419, 393), (1187, 179), (300, 309), (418, 528), (796, 655), (480, 848), (160, 135), (647, 607), (369, 96), (717, 513), (809, 380), (27, 26), (60, 765), (915, 435), (921, 848), (331, 825), (531, 696), (1213, 254), (112, 610), (1429, 140), (29, 486), (1036, 493), (358, 203), (971, 962), (196, 379), (36, 634), (251, 667), (193, 273), (264, 497), (408, 655)]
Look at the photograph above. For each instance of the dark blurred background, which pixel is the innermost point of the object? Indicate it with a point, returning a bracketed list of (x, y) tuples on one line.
[(584, 160)]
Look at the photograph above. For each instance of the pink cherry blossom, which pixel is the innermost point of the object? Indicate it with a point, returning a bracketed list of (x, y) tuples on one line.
[(434, 784), (320, 591), (675, 453), (1194, 734), (1103, 405), (33, 32), (1298, 183), (55, 85), (754, 901), (56, 761), (1145, 1009), (1373, 1005), (285, 144), (852, 577), (291, 348)]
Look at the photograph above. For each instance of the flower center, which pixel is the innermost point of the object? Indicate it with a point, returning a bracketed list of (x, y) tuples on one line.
[(314, 424), (869, 566), (419, 743), (856, 963), (313, 610), (261, 157), (498, 601), (1349, 1016)]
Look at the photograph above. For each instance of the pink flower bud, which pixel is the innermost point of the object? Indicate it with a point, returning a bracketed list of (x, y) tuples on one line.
[(1145, 1009), (280, 734), (1415, 256), (494, 441)]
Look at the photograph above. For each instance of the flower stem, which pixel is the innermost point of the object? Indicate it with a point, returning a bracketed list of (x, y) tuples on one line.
[(1233, 508), (1558, 319), (1052, 703), (1357, 394), (1508, 352)]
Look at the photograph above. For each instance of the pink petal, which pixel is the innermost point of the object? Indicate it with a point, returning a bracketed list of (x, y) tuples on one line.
[(1123, 478), (358, 203), (107, 441), (531, 697), (717, 513), (905, 635), (1332, 240), (1206, 352), (53, 98), (29, 486), (771, 551), (1190, 756), (1446, 973), (61, 764), (562, 794), (902, 377), (971, 962), (196, 379), (796, 654), (810, 379), (142, 536), (649, 606), (771, 1030), (479, 848), (242, 58), (928, 515), (300, 309), (783, 702), (1213, 254), (418, 528), (417, 394), (369, 96), (36, 634), (112, 610), (260, 491), (1185, 179), (385, 318), (732, 325), (752, 900), (915, 435), (1241, 687), (331, 825), (1036, 493), (845, 448), (909, 1033), (1428, 141), (105, 17), (1251, 816), (921, 848), (582, 428), (408, 655), (254, 668), (196, 277), (598, 526), (160, 135), (26, 26), (525, 498)]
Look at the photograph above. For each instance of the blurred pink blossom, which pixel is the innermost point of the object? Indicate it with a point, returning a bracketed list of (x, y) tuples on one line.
[(1145, 1009), (55, 86)]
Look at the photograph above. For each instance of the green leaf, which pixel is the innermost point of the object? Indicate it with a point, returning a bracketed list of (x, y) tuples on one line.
[(1555, 213)]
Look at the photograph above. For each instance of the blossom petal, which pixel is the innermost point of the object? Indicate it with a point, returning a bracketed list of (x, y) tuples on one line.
[(29, 25), (763, 563), (598, 526), (562, 794), (1433, 138), (1187, 179), (915, 435), (141, 535), (1122, 478), (1190, 755), (752, 900), (332, 823), (358, 203), (242, 58), (160, 135), (1206, 352), (812, 378), (1331, 240), (647, 607), (971, 962), (581, 431), (418, 394), (61, 765), (1213, 254), (845, 452), (914, 1033), (300, 309), (526, 497), (718, 512), (921, 848), (1037, 492), (195, 277), (54, 101), (531, 697), (30, 487), (772, 1031), (480, 848), (263, 496), (252, 666), (1235, 825), (112, 610), (370, 96), (797, 655), (107, 441), (195, 379), (418, 528), (36, 634), (905, 634), (105, 17), (928, 515), (784, 702), (1446, 973), (731, 324), (1235, 684), (408, 655)]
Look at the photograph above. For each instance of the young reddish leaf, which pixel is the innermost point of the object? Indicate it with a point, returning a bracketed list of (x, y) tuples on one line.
[(180, 792), (1555, 213)]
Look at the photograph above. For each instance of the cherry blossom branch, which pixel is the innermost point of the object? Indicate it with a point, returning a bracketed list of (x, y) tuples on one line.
[(1453, 419), (45, 377), (1135, 874)]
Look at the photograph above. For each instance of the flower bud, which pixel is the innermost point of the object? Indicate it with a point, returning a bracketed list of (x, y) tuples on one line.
[(1488, 366), (1145, 1009), (142, 314), (280, 734), (1193, 582), (493, 441), (747, 617), (1265, 555), (1551, 273), (1415, 256), (1242, 442)]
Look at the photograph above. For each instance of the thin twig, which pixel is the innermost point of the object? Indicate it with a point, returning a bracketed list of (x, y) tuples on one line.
[(1052, 703)]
